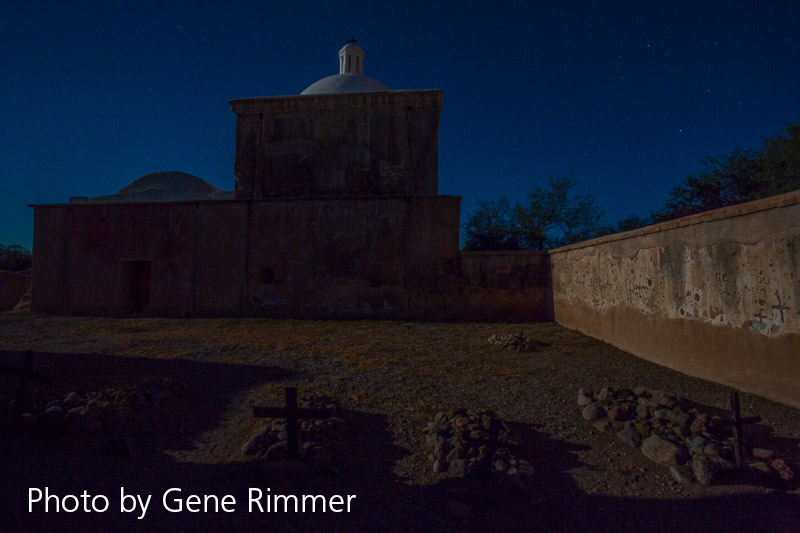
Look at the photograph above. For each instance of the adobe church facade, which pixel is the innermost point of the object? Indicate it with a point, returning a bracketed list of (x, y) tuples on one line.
[(335, 212)]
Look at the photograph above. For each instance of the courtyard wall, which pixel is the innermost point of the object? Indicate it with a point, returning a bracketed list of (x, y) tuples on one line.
[(713, 295)]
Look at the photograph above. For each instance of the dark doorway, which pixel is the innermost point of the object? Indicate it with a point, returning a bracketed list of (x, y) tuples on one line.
[(136, 276)]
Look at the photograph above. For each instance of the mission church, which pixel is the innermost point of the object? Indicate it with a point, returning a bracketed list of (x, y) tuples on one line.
[(335, 212)]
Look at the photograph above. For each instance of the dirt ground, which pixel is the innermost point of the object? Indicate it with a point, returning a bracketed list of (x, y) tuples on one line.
[(391, 378)]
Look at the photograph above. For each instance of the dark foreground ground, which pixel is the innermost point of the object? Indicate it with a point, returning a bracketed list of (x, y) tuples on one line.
[(391, 378)]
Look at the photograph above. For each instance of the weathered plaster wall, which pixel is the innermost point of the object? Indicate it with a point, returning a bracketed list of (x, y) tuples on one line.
[(715, 295), (337, 144), (353, 256)]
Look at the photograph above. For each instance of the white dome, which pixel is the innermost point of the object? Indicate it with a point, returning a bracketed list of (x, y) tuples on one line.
[(179, 182), (345, 83)]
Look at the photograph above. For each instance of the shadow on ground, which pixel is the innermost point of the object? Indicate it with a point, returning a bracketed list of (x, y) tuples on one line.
[(73, 463)]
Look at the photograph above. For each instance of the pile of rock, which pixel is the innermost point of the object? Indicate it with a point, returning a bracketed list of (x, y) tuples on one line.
[(474, 442), (513, 343), (670, 433), (94, 410), (320, 440)]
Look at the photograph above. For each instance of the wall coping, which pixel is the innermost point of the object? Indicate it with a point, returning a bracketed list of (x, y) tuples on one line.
[(316, 102), (748, 208), (504, 252)]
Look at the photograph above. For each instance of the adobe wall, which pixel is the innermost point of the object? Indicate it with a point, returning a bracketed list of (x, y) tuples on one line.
[(356, 256), (715, 295), (337, 144), (13, 285), (510, 286)]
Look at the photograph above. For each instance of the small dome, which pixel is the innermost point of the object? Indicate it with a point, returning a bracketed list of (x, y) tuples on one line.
[(345, 83), (180, 182)]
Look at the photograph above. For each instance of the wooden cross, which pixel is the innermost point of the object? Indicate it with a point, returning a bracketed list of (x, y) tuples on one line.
[(291, 413), (25, 375), (736, 421)]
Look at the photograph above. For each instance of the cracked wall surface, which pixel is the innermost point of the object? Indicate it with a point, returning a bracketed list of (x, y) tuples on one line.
[(715, 295)]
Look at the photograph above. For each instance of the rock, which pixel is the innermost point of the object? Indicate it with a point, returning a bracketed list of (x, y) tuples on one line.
[(661, 399), (703, 468), (28, 420), (642, 412), (643, 429), (604, 394), (630, 436), (592, 411), (678, 476), (711, 449), (782, 469), (698, 445), (602, 425), (641, 391), (679, 418), (276, 452), (258, 442), (699, 424), (761, 467), (584, 398), (71, 399), (439, 466), (662, 451), (73, 415), (763, 453), (457, 509), (319, 458), (457, 466)]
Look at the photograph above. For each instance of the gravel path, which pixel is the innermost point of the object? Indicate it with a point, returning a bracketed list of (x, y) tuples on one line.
[(392, 377)]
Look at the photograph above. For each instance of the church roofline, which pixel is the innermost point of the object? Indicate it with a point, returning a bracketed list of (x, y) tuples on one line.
[(265, 200), (311, 102)]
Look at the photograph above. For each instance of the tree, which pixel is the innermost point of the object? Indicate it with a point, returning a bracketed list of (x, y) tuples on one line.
[(549, 217), (742, 176), (14, 257), (492, 226)]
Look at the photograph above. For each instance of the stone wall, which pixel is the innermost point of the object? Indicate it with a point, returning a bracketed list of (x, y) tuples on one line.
[(715, 295), (337, 144)]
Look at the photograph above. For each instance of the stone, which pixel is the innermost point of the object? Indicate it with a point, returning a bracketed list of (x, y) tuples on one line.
[(642, 411), (592, 411), (761, 467), (439, 466), (676, 417), (703, 468), (319, 458), (630, 436), (258, 442), (661, 399), (602, 425), (604, 394), (662, 451), (678, 476), (276, 452), (457, 466), (584, 398), (699, 424), (456, 509), (697, 445), (782, 469), (763, 453)]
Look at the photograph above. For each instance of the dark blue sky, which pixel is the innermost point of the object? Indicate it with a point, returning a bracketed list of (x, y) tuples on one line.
[(630, 97)]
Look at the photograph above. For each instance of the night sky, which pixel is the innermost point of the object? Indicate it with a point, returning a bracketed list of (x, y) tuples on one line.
[(630, 97)]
